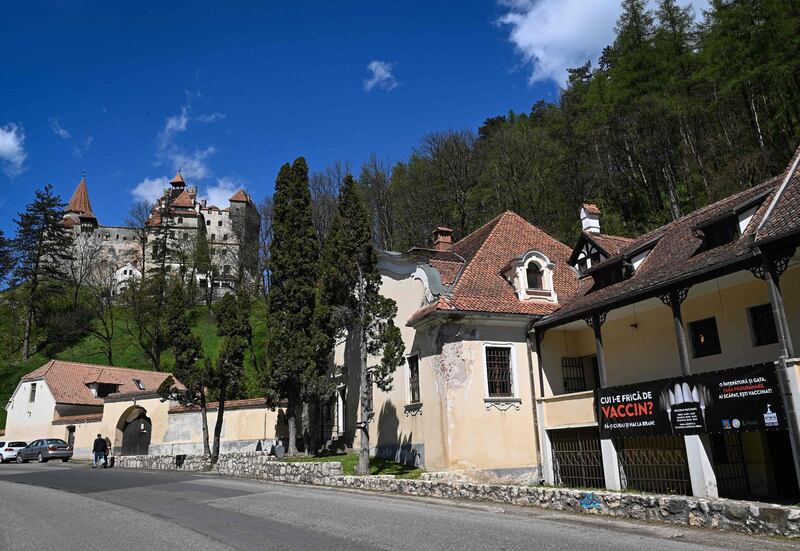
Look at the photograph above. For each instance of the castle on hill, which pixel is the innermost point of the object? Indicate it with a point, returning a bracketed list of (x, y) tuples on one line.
[(170, 235)]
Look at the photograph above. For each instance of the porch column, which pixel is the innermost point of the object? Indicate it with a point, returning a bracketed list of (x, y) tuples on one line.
[(674, 298), (770, 269), (545, 447), (610, 457)]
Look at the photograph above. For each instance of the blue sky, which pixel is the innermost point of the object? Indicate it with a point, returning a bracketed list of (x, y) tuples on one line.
[(131, 92)]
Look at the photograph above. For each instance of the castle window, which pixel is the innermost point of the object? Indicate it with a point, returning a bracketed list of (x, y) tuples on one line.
[(180, 220), (208, 222), (219, 223), (705, 337), (213, 237), (762, 325), (32, 393), (413, 379)]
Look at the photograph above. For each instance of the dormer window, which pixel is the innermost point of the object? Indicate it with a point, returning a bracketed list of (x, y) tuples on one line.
[(139, 384), (718, 233), (534, 276)]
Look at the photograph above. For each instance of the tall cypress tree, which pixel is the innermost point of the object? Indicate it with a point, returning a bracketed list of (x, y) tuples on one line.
[(188, 350), (292, 339), (41, 248), (351, 289)]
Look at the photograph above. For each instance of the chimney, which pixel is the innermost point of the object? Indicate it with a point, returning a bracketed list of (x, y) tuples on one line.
[(590, 218), (442, 239)]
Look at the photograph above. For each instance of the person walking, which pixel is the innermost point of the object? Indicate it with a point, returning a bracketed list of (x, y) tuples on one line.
[(99, 449), (107, 457)]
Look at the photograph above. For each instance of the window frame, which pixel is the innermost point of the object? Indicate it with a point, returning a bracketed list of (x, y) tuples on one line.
[(752, 323), (409, 379), (32, 393), (512, 360), (704, 354)]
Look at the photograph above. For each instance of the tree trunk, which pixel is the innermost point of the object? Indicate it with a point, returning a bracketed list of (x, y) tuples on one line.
[(204, 415), (218, 425), (363, 453), (291, 422)]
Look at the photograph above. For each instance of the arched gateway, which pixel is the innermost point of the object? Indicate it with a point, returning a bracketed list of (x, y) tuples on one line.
[(134, 428)]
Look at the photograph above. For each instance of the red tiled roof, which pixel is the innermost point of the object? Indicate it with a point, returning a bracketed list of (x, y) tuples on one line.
[(178, 179), (609, 243), (591, 208), (79, 202), (229, 404), (67, 380), (481, 286), (240, 196), (676, 255), (784, 217), (183, 200), (84, 417)]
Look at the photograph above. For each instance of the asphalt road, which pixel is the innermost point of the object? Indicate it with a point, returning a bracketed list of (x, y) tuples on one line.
[(72, 507)]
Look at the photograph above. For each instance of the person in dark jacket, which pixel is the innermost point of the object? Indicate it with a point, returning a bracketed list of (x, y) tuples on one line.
[(99, 449)]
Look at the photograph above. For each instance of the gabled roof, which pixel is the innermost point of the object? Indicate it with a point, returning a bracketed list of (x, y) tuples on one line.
[(184, 200), (241, 196), (608, 244), (79, 202), (783, 216), (474, 269), (676, 255), (68, 381)]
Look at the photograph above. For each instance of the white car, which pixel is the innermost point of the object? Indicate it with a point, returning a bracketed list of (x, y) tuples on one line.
[(9, 449)]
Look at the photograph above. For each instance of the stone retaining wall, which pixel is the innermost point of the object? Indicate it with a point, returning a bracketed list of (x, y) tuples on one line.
[(747, 517)]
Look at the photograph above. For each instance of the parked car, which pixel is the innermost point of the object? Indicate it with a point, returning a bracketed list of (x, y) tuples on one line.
[(44, 450), (9, 449)]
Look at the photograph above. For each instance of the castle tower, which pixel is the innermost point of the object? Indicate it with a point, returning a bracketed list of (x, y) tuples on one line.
[(79, 209)]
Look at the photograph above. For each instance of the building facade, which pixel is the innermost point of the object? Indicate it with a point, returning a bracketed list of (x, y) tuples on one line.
[(169, 235)]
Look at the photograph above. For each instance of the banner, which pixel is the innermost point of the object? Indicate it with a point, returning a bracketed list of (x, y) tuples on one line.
[(739, 399)]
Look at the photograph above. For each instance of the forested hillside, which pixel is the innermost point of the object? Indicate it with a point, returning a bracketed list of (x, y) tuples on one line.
[(676, 114)]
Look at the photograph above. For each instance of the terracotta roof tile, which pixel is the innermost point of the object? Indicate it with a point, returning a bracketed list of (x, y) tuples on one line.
[(241, 196), (68, 381), (177, 180), (676, 254), (785, 216), (183, 200), (609, 243), (79, 202), (481, 287)]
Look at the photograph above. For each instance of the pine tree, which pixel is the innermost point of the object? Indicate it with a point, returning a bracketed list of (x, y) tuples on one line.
[(293, 342), (41, 249), (232, 313), (188, 350), (6, 257), (351, 288)]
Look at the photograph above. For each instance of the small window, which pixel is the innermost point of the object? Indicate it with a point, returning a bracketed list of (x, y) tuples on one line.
[(32, 393), (534, 276), (180, 219), (498, 371), (413, 379), (574, 375), (213, 237), (226, 269), (139, 384), (762, 325), (104, 389), (219, 223), (225, 237), (208, 222), (705, 338)]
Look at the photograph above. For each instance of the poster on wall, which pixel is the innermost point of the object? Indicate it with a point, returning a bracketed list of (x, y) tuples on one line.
[(739, 399)]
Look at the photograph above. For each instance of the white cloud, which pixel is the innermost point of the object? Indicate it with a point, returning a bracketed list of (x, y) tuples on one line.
[(150, 189), (380, 76), (12, 149), (194, 163), (220, 193), (59, 130), (552, 36), (82, 147)]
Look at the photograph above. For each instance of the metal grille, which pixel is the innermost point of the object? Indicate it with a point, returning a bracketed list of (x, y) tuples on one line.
[(498, 370), (654, 464), (729, 464), (577, 459), (413, 379), (574, 376)]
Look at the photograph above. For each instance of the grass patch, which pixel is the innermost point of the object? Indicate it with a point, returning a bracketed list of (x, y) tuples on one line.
[(350, 460)]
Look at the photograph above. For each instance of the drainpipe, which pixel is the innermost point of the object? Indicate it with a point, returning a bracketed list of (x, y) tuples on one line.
[(542, 443)]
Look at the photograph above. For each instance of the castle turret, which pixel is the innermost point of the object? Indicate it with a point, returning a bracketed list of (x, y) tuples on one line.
[(79, 208)]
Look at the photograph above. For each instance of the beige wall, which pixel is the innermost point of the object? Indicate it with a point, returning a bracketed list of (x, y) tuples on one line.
[(30, 420), (640, 343)]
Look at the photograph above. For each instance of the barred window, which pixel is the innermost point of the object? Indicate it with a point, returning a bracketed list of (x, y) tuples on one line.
[(498, 371), (705, 338), (413, 379), (574, 375), (762, 324)]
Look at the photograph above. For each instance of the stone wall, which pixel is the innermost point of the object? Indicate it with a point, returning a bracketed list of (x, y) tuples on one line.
[(746, 517)]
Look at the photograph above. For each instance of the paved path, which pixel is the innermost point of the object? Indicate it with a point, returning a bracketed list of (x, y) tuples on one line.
[(74, 507)]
